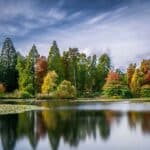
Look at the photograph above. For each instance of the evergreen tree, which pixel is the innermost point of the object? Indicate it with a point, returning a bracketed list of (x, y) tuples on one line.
[(8, 61), (30, 70), (54, 61)]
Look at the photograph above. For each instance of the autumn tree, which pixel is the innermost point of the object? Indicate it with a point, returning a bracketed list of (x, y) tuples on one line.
[(141, 80), (40, 71), (8, 61), (115, 87), (130, 72), (145, 83), (49, 83)]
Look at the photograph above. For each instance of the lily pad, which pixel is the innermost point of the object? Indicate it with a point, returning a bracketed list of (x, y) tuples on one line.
[(12, 109)]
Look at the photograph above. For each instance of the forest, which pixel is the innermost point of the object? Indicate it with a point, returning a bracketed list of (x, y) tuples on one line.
[(70, 75)]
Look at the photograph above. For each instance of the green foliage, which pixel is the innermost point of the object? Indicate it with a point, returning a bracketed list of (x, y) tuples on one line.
[(145, 91), (103, 67), (25, 94), (26, 70), (116, 90), (54, 61), (65, 90), (115, 87), (8, 61)]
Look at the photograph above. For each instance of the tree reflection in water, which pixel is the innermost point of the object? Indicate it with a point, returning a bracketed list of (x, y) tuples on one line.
[(71, 126)]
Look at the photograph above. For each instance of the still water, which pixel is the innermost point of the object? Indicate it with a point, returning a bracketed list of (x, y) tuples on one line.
[(90, 126)]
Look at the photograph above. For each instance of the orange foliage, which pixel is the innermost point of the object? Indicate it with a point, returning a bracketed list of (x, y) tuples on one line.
[(112, 77), (2, 88)]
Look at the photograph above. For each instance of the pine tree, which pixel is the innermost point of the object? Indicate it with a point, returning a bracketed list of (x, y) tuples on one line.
[(54, 61), (8, 61), (30, 70)]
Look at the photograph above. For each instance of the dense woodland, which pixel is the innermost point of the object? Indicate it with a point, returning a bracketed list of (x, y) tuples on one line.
[(70, 75)]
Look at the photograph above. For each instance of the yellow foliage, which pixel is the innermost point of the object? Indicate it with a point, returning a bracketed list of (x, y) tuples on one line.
[(49, 83), (66, 90)]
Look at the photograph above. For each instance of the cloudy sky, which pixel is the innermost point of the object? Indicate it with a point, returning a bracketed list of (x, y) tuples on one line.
[(118, 27)]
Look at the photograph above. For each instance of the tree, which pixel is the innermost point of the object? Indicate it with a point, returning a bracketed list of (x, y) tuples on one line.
[(40, 71), (30, 70), (49, 83), (55, 62), (115, 87), (130, 72), (22, 76), (8, 61), (82, 73), (103, 67), (72, 57), (92, 74), (136, 83), (66, 90)]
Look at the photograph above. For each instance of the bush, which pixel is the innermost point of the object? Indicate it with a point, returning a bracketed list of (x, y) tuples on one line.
[(2, 89), (25, 94), (145, 91), (116, 91), (65, 90), (29, 89)]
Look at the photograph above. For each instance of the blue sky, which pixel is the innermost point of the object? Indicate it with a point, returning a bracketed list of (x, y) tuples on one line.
[(118, 27)]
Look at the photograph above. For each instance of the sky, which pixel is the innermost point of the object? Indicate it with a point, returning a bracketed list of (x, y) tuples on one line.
[(120, 28)]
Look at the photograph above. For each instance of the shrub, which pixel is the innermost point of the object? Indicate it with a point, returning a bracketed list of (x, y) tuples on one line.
[(117, 90), (25, 94), (29, 89), (145, 91), (66, 90)]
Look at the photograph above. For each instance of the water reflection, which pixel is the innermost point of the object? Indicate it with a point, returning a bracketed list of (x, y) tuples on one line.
[(74, 127)]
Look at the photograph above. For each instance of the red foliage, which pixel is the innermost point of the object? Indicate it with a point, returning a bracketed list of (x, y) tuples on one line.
[(112, 77), (41, 70)]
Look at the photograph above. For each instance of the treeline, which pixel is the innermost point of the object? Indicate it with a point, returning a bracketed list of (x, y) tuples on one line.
[(68, 75)]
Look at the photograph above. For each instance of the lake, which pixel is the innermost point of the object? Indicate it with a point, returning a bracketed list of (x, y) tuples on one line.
[(78, 126)]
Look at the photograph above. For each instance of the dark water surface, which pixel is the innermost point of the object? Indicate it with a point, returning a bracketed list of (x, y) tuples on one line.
[(92, 126)]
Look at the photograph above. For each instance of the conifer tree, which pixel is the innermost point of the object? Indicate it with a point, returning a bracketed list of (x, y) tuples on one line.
[(8, 61), (54, 61)]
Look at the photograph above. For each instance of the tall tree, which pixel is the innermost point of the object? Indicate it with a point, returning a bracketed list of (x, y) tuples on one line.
[(30, 69), (55, 62), (70, 60), (130, 72), (92, 72), (21, 62), (40, 71), (103, 67), (8, 61), (82, 73)]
